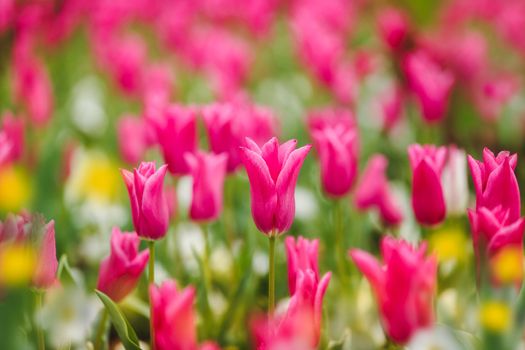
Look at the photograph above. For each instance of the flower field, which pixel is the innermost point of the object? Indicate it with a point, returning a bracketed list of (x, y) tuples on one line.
[(262, 174)]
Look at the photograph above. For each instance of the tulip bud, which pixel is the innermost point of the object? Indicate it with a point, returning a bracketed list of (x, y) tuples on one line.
[(149, 207), (273, 170), (120, 271)]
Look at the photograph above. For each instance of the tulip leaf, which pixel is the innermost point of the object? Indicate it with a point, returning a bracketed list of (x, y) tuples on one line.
[(65, 273), (124, 330)]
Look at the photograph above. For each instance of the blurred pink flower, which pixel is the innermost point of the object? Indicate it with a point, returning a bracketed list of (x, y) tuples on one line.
[(336, 142), (430, 84), (13, 135), (404, 286), (208, 171), (373, 191), (301, 255), (393, 28), (47, 264), (495, 182), (176, 135), (492, 93), (392, 107), (174, 318), (228, 125), (132, 138), (428, 201), (120, 271), (273, 170), (7, 12), (149, 207)]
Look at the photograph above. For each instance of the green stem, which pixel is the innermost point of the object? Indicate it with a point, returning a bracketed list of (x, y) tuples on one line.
[(39, 296), (271, 277), (339, 240), (229, 213), (101, 330), (206, 257), (151, 280)]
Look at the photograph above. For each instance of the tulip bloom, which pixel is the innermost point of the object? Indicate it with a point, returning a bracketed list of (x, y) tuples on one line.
[(494, 231), (428, 201), (393, 28), (495, 182), (174, 318), (149, 207), (47, 264), (404, 286), (120, 271), (228, 125), (177, 135), (301, 255), (336, 142), (273, 170), (373, 191), (391, 105), (132, 138), (208, 171), (430, 84)]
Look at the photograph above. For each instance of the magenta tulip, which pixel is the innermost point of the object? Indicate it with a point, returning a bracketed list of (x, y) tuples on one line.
[(177, 135), (208, 171), (404, 286), (428, 201), (302, 255), (47, 264), (336, 142), (273, 170), (430, 84), (494, 230), (393, 28), (120, 271), (149, 207), (373, 191), (495, 182)]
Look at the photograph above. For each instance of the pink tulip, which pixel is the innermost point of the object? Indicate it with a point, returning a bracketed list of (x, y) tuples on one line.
[(404, 286), (33, 89), (273, 170), (208, 171), (373, 191), (493, 230), (149, 207), (177, 135), (302, 255), (132, 138), (393, 28), (120, 271), (173, 317), (495, 182), (430, 84), (491, 94), (337, 146), (428, 201), (157, 84), (228, 125), (47, 264), (31, 229), (7, 14), (13, 131)]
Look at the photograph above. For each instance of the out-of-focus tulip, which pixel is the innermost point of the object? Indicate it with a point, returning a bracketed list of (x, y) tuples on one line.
[(13, 129), (229, 124), (157, 85), (120, 271), (174, 318), (404, 286), (7, 11), (208, 172), (33, 89), (391, 104), (492, 93), (428, 200), (393, 28), (177, 135), (302, 255), (373, 191), (495, 182), (336, 142), (30, 231), (430, 84), (493, 233), (455, 183), (149, 207), (273, 170), (132, 138)]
